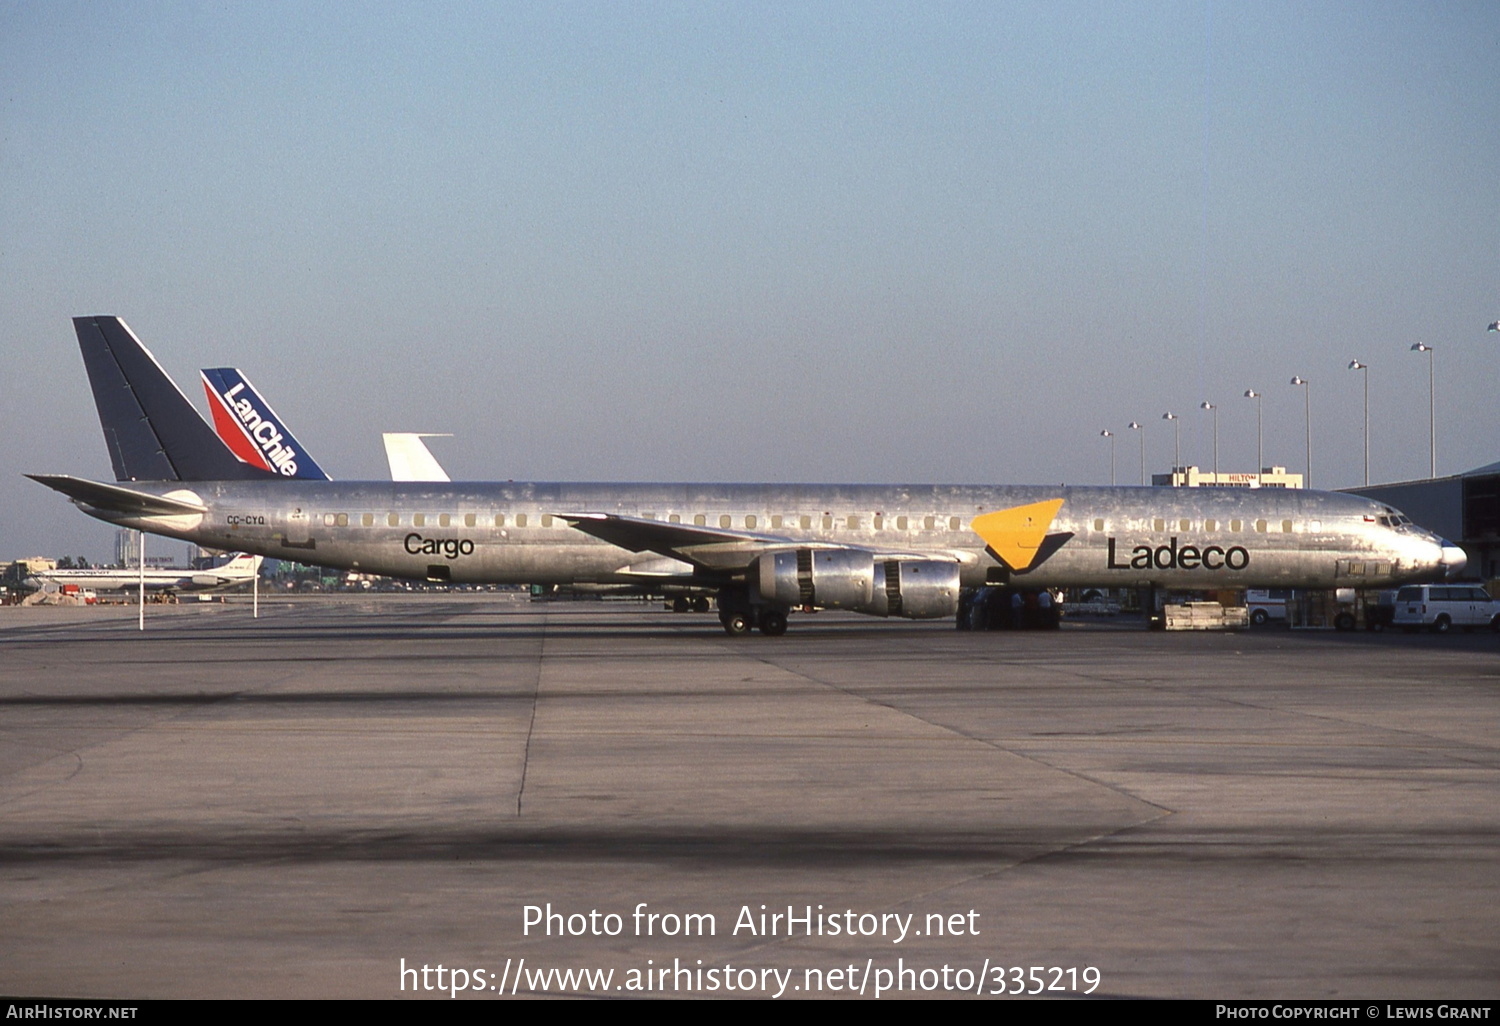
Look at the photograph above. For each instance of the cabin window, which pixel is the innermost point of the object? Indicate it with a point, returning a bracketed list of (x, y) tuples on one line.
[(1098, 523), (393, 520), (776, 522), (953, 523), (444, 520), (827, 523), (1236, 525), (724, 520), (700, 520), (1260, 527), (520, 519), (368, 519), (674, 519), (1184, 525), (750, 521), (878, 522), (806, 522), (1286, 527), (546, 519), (470, 520), (341, 520), (499, 519), (900, 523), (1158, 525), (929, 523), (1210, 525), (419, 520)]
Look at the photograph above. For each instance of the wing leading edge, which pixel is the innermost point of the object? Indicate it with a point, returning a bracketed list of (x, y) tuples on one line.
[(707, 549)]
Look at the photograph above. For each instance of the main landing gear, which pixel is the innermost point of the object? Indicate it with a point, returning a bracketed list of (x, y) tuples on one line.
[(740, 622)]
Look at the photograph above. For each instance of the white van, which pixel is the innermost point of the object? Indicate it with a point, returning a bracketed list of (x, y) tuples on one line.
[(1441, 607), (1267, 604)]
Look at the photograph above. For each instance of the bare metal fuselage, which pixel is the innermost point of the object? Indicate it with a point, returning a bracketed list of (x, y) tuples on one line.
[(516, 532)]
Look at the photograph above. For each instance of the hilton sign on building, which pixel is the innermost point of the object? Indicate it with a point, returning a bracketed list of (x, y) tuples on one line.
[(1192, 477)]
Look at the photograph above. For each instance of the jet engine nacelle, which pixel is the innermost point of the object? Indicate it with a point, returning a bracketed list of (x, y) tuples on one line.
[(918, 589), (831, 578)]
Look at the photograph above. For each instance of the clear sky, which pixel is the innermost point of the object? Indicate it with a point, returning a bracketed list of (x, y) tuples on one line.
[(788, 242)]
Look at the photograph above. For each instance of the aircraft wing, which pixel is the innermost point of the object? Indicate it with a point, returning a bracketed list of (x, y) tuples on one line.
[(706, 548), (117, 497)]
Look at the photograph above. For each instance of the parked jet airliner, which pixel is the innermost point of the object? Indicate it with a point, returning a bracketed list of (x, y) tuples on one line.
[(238, 568), (760, 550)]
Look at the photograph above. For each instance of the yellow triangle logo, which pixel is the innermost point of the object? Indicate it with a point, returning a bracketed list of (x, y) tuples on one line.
[(1015, 534)]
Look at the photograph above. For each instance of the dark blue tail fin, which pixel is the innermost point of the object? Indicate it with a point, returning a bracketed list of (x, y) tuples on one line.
[(152, 431)]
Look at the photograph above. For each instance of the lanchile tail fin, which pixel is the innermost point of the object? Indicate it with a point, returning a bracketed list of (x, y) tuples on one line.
[(246, 423), (152, 431)]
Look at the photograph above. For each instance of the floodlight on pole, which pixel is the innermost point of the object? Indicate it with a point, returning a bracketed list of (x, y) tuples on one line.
[(1136, 427), (1177, 449), (1206, 405), (1356, 365), (1304, 383), (1260, 434), (1107, 433), (1422, 347)]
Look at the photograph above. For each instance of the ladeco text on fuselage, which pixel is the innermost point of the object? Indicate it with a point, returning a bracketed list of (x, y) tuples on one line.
[(1188, 557)]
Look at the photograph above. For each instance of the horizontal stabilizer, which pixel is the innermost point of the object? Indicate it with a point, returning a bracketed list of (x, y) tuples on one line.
[(117, 498)]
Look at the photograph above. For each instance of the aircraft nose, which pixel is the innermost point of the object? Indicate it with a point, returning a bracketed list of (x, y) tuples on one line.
[(1453, 559)]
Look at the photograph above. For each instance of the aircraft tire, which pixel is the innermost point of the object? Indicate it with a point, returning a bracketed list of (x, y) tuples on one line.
[(736, 625), (773, 623)]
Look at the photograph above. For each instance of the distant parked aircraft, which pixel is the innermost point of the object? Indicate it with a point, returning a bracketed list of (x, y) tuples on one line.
[(238, 568)]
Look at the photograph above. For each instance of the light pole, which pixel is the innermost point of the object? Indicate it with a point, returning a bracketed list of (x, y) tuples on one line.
[(1356, 365), (1303, 382), (1136, 427), (1107, 433), (1177, 448), (1206, 405), (1260, 454), (1420, 347)]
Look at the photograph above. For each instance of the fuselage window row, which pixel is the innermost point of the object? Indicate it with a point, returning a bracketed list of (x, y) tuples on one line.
[(853, 522), (751, 521)]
